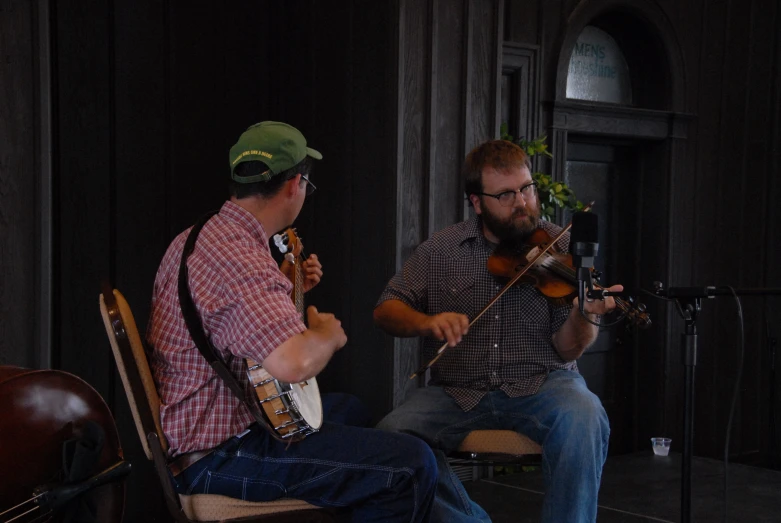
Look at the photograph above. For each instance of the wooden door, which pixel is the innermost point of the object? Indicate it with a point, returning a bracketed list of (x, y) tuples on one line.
[(605, 173)]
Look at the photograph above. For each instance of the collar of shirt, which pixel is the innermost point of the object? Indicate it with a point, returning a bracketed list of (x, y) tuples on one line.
[(473, 229), (234, 212)]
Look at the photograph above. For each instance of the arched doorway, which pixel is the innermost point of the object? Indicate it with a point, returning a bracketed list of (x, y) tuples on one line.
[(617, 130)]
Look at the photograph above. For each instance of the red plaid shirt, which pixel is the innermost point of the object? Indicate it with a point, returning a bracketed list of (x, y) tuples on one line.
[(244, 302)]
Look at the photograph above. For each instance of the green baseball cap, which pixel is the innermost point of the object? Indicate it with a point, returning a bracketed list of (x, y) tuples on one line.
[(278, 145)]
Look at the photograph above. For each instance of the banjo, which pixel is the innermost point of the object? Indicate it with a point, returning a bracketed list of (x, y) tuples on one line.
[(294, 410)]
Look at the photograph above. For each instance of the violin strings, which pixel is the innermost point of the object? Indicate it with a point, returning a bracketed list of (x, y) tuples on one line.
[(24, 513), (554, 263), (31, 500)]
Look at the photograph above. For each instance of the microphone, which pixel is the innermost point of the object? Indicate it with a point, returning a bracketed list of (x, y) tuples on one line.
[(584, 246)]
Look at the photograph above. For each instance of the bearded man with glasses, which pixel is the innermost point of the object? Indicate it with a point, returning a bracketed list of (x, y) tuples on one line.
[(515, 368)]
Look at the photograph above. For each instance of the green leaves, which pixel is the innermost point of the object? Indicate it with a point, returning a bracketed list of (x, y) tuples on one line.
[(504, 134), (536, 146), (551, 193)]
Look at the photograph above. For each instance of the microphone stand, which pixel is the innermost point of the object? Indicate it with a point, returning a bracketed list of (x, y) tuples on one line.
[(771, 342), (688, 301)]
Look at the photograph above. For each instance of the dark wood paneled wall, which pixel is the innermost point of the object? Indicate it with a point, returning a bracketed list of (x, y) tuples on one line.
[(144, 115), (719, 220), (448, 102), (733, 228), (18, 187), (148, 98), (344, 99)]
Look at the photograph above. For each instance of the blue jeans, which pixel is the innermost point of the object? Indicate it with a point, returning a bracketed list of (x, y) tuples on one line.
[(381, 476), (564, 416)]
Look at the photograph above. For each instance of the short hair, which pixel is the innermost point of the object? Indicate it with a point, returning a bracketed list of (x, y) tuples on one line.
[(270, 187), (499, 154)]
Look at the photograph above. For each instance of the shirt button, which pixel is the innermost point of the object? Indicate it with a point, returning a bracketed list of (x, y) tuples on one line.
[(494, 373), (496, 345), (497, 316)]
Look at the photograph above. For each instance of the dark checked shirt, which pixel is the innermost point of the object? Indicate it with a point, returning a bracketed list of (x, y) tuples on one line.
[(509, 347), (244, 302)]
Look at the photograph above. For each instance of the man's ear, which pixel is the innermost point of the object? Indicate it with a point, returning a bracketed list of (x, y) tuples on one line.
[(293, 185), (475, 199)]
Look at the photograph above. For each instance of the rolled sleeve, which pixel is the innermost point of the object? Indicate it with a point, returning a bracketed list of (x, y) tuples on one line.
[(410, 284), (263, 318), (558, 315)]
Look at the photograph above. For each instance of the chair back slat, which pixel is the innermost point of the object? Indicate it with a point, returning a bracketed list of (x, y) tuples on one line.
[(133, 367)]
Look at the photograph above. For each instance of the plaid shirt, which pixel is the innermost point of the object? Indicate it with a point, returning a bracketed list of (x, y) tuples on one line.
[(509, 347), (244, 302)]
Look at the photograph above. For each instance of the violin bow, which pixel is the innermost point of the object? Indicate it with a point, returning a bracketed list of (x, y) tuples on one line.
[(529, 265)]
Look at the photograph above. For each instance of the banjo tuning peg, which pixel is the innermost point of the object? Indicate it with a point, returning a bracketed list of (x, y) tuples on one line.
[(280, 243)]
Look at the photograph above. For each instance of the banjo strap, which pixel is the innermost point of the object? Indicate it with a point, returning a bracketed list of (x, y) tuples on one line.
[(202, 341)]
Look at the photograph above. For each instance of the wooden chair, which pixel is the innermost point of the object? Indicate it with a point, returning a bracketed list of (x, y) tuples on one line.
[(131, 360), (483, 448), (499, 446)]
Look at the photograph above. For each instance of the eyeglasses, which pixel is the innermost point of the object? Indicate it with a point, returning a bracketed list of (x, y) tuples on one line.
[(507, 198), (310, 187)]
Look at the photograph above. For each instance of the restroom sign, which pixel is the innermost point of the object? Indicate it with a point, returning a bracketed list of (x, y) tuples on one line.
[(597, 69)]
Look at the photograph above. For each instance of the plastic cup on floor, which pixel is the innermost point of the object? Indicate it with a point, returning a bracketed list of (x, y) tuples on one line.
[(661, 446)]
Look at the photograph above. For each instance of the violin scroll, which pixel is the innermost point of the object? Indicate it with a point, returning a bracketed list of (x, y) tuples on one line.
[(635, 313)]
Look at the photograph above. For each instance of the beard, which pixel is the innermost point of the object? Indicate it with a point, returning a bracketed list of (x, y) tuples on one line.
[(514, 228)]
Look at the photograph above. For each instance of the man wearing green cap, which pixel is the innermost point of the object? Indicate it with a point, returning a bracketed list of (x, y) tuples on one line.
[(243, 301)]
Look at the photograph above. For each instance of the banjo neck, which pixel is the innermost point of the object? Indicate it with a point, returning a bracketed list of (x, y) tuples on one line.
[(294, 410)]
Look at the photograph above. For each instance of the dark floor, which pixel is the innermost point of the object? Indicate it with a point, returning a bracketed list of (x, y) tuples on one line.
[(645, 488)]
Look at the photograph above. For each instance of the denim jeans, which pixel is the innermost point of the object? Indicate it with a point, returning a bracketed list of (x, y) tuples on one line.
[(380, 475), (564, 416)]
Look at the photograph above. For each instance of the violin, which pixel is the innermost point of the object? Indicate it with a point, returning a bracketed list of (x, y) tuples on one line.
[(537, 259), (42, 411), (552, 273)]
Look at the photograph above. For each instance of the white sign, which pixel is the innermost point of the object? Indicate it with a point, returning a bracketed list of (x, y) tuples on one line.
[(598, 70)]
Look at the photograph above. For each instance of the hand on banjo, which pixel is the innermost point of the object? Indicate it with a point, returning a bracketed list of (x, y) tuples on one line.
[(313, 272), (326, 325)]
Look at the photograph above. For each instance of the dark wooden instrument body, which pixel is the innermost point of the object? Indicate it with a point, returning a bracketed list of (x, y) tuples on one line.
[(41, 409), (553, 274)]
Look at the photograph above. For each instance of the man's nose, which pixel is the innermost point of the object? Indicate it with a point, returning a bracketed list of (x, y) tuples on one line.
[(519, 202)]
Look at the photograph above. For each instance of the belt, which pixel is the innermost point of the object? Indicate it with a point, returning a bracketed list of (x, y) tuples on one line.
[(183, 461)]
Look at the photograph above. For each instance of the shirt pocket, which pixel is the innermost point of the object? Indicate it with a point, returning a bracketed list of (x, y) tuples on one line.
[(457, 295)]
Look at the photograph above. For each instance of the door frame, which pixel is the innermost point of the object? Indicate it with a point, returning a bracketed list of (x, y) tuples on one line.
[(659, 135)]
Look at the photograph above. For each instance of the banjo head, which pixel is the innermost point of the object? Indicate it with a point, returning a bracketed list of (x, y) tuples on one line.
[(289, 407), (305, 398)]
